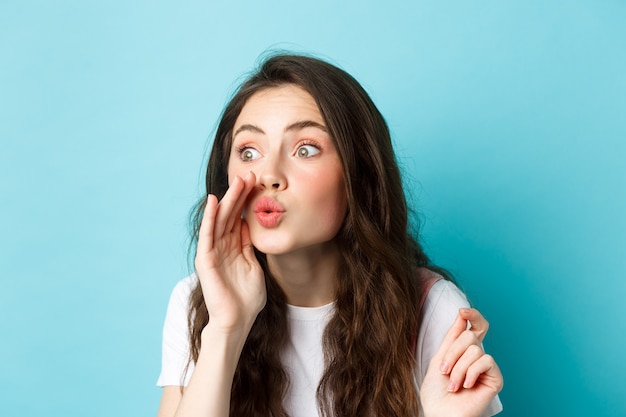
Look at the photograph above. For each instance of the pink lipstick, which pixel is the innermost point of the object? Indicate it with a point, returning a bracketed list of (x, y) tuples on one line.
[(268, 212)]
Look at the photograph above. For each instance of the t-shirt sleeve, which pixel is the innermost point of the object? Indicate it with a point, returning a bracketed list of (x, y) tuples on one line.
[(175, 348), (439, 312)]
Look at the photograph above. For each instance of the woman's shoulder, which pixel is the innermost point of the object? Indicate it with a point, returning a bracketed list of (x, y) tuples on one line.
[(440, 295), (184, 287), (442, 304), (445, 294), (180, 296), (175, 346)]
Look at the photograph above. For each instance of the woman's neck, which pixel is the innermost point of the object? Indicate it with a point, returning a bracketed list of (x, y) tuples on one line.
[(309, 276)]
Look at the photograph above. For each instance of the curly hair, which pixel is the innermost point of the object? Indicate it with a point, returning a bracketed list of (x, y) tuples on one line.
[(368, 343)]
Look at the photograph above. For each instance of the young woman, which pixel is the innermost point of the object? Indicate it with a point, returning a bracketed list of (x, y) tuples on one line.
[(311, 296)]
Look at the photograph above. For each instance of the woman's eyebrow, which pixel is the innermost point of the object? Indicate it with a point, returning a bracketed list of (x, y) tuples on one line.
[(294, 126), (249, 128), (304, 124)]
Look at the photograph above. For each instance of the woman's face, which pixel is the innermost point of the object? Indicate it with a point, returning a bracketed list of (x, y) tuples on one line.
[(299, 201)]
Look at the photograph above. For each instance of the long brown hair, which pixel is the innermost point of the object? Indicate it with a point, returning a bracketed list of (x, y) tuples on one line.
[(368, 342)]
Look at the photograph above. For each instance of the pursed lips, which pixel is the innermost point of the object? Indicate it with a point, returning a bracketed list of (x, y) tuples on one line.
[(268, 212)]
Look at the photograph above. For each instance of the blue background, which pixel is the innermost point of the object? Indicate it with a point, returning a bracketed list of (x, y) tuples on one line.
[(510, 123)]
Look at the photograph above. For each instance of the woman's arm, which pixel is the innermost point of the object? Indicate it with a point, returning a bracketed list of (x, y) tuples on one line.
[(208, 392), (234, 292), (170, 398), (209, 388)]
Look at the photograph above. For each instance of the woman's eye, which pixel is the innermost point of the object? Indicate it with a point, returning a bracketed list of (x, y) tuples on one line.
[(249, 154), (306, 151)]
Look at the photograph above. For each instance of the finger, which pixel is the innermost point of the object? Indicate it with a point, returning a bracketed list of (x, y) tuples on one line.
[(458, 373), (248, 184), (479, 325), (205, 234), (246, 245), (458, 347), (485, 369), (458, 327), (226, 206)]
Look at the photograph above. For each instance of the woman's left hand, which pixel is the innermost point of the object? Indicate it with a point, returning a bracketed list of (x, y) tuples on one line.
[(461, 379)]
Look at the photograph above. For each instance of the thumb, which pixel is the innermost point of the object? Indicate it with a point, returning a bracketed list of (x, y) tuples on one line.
[(478, 324)]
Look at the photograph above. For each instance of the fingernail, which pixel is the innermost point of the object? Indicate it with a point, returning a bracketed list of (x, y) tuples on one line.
[(444, 368), (451, 386), (464, 310)]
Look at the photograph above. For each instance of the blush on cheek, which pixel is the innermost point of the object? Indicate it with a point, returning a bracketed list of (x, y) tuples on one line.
[(331, 219), (332, 203)]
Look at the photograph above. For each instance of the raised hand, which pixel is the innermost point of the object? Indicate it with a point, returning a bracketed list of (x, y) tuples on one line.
[(461, 379), (232, 280)]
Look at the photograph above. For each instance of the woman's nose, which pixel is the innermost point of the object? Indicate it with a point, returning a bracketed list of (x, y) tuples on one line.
[(272, 175)]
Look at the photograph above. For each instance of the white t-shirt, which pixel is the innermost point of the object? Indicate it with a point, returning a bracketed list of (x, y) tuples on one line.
[(303, 357)]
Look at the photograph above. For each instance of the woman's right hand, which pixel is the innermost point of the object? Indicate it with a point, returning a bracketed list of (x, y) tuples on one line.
[(232, 280)]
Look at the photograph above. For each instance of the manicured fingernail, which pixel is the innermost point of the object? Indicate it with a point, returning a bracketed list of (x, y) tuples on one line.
[(444, 368), (451, 386)]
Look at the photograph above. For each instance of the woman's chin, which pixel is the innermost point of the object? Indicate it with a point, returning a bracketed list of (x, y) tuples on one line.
[(270, 246)]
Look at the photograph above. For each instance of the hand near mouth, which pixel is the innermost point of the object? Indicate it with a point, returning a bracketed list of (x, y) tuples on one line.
[(232, 280)]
